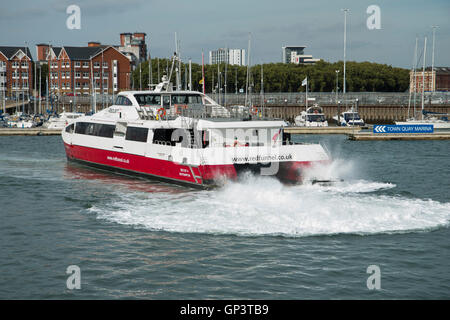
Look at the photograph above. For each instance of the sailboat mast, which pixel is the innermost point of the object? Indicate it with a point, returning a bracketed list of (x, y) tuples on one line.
[(433, 85), (415, 77), (248, 69), (227, 59), (412, 86), (423, 74)]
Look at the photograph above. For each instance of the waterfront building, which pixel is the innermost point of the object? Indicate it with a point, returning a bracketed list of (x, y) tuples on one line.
[(436, 80), (296, 55), (16, 71), (231, 56), (133, 45), (81, 70)]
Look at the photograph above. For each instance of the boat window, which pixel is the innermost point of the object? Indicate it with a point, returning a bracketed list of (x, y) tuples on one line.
[(351, 116), (137, 134), (180, 99), (166, 101), (80, 127), (148, 99), (195, 99), (95, 129), (105, 130), (186, 99), (70, 128), (163, 136), (315, 117), (123, 101), (286, 138)]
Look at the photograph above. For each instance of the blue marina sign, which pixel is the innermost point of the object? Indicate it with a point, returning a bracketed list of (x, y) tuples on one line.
[(404, 128)]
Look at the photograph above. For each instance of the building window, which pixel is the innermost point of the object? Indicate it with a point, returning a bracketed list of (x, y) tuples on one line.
[(105, 65), (96, 75), (78, 75), (24, 75), (78, 64), (105, 74), (15, 64), (85, 64), (96, 64), (86, 75), (24, 64), (68, 75)]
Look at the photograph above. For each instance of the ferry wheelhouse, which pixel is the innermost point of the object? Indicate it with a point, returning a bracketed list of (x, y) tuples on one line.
[(186, 137)]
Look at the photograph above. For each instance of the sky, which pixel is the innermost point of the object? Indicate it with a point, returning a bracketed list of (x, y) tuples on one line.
[(210, 24)]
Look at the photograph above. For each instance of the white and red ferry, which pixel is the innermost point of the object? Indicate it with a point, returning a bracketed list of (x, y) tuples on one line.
[(186, 137)]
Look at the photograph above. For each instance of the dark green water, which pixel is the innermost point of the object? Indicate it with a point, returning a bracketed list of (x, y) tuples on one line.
[(255, 239)]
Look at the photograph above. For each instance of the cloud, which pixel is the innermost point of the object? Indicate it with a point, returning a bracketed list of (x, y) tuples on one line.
[(6, 14)]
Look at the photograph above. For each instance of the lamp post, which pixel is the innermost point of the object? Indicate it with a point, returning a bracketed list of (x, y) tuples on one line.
[(345, 46), (337, 85)]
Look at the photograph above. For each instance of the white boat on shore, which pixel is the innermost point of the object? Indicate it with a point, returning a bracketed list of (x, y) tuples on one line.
[(61, 121), (437, 119), (349, 118), (312, 117)]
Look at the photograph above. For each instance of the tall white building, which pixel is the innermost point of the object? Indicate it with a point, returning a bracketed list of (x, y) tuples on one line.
[(232, 56)]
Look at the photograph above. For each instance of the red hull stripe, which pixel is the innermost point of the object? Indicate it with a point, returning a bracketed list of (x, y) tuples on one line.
[(168, 170), (139, 164)]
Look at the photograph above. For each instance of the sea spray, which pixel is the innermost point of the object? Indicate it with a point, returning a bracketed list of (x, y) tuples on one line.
[(258, 206)]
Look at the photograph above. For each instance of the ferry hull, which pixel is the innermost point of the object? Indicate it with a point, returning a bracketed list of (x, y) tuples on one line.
[(203, 176)]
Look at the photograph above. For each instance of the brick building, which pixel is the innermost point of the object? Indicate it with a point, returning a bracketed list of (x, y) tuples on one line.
[(81, 70), (133, 45), (438, 80), (16, 71)]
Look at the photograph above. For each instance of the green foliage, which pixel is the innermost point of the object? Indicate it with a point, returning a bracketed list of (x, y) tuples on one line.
[(280, 77)]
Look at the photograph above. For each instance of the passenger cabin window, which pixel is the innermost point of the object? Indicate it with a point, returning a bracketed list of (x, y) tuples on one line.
[(148, 99), (166, 101), (123, 101), (95, 129), (137, 134), (70, 128), (163, 136), (186, 99)]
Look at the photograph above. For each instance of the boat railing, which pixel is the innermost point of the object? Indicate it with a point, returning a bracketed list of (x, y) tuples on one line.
[(201, 111)]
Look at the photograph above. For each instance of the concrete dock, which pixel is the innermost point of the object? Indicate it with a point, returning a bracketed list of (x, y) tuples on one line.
[(322, 130), (29, 132), (370, 136)]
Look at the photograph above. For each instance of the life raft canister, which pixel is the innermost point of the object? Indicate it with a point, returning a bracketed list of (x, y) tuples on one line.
[(179, 108), (161, 112)]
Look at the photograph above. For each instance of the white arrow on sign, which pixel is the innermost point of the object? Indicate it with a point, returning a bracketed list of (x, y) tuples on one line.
[(380, 129)]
